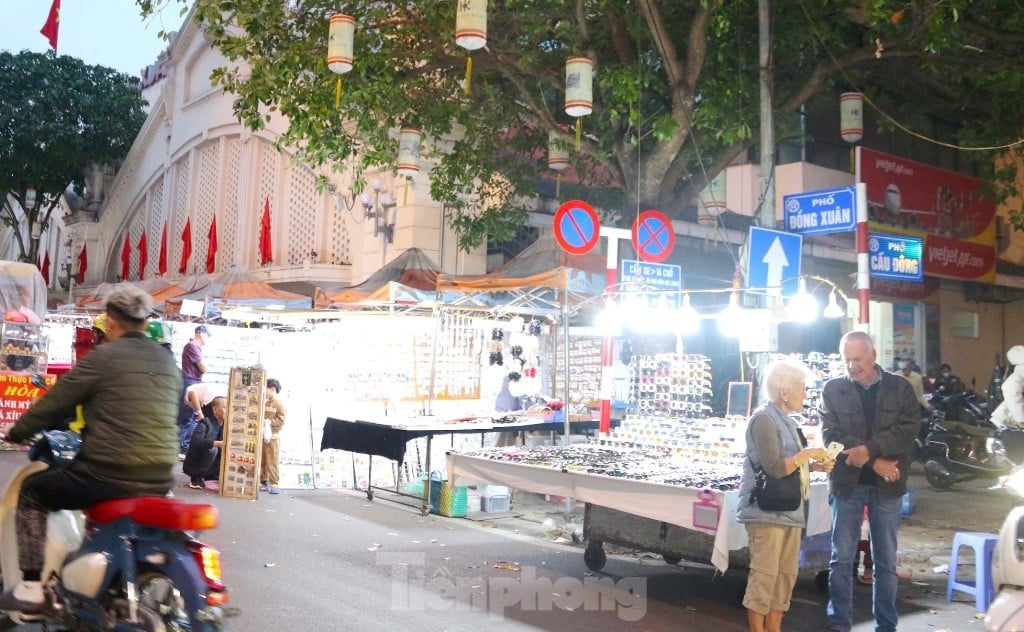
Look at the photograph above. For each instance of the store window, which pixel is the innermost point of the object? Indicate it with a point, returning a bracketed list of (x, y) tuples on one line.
[(964, 324)]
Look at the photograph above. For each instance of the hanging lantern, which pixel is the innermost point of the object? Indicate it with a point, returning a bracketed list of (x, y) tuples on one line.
[(470, 30), (558, 153), (579, 91), (339, 48), (851, 116), (471, 24), (712, 198), (409, 139), (579, 82), (37, 231)]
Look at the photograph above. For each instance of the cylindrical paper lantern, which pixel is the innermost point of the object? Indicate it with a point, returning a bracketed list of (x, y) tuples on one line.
[(409, 151), (851, 116), (339, 45), (558, 152), (579, 86), (712, 198), (471, 24)]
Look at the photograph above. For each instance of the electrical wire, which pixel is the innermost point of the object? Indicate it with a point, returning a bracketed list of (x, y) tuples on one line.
[(821, 40)]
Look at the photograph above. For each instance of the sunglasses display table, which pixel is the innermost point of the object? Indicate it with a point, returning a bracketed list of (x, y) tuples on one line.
[(681, 508), (388, 437)]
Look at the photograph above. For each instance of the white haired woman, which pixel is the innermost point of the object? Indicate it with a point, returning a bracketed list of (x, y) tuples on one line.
[(775, 444)]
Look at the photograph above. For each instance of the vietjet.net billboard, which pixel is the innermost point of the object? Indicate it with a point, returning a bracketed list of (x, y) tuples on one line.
[(945, 208)]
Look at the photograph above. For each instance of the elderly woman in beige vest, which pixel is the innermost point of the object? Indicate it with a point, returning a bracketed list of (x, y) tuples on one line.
[(774, 443)]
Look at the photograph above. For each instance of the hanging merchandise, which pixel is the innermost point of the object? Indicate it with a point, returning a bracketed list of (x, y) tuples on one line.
[(712, 200), (851, 116), (470, 30), (579, 91), (340, 49), (409, 140)]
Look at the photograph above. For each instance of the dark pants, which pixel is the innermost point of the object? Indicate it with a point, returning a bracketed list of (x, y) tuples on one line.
[(71, 488), (186, 417)]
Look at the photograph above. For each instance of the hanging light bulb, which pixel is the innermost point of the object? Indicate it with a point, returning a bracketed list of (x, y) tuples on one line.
[(609, 319), (730, 321), (803, 307), (687, 322), (832, 310)]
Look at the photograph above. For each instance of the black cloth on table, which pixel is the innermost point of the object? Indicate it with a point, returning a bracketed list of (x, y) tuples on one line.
[(364, 438)]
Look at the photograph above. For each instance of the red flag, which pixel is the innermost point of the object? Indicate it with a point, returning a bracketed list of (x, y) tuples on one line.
[(143, 255), (46, 267), (266, 250), (186, 246), (126, 259), (211, 249), (49, 30), (161, 264), (83, 265)]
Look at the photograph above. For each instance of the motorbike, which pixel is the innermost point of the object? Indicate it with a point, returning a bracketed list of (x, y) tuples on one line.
[(1006, 612), (129, 564), (955, 452)]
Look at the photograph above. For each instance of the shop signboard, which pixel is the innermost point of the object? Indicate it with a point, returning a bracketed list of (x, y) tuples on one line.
[(945, 209), (243, 433), (773, 259), (16, 395), (821, 212), (895, 257)]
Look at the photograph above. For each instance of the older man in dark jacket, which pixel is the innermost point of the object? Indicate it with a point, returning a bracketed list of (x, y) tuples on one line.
[(129, 390), (875, 415), (202, 462)]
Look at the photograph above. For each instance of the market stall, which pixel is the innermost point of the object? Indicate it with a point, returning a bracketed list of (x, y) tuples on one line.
[(389, 438), (232, 288)]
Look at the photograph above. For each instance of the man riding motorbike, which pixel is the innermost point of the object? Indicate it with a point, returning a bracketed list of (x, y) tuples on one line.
[(128, 389)]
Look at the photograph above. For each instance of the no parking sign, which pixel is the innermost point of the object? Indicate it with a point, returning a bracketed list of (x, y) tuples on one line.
[(653, 236), (577, 227)]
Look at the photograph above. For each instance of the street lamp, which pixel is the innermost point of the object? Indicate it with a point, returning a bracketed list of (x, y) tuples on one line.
[(376, 207), (70, 269)]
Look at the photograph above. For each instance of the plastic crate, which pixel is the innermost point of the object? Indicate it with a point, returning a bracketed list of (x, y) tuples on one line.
[(495, 504)]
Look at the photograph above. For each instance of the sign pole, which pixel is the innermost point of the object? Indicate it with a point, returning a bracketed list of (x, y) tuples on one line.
[(611, 279), (863, 269)]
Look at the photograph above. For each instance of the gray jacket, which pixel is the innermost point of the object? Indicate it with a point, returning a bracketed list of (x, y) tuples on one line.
[(897, 418), (129, 390), (789, 444)]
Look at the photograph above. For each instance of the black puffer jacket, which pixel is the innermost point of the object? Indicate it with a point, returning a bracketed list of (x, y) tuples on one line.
[(129, 392)]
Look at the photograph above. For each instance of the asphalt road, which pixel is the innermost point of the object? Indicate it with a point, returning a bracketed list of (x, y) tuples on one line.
[(331, 560)]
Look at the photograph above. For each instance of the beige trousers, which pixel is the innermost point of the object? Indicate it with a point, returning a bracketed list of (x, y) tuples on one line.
[(773, 567), (268, 467)]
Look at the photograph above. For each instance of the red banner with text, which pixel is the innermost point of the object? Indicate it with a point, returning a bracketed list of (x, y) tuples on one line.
[(945, 208), (16, 394)]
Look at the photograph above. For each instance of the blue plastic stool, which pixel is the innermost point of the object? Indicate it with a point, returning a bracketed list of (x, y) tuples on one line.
[(982, 589)]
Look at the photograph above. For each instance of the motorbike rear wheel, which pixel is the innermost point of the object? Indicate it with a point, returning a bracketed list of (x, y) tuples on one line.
[(937, 476), (159, 594)]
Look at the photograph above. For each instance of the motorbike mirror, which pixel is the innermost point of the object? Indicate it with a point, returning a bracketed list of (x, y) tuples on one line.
[(38, 381)]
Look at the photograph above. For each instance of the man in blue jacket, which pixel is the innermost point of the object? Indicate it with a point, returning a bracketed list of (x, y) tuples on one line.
[(875, 415)]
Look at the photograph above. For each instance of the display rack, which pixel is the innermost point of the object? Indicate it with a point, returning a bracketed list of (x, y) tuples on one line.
[(243, 433), (23, 347), (672, 385)]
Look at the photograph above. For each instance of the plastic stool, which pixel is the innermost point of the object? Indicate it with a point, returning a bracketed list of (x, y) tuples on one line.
[(982, 589)]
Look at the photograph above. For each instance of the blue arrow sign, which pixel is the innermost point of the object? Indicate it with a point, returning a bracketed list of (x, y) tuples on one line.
[(773, 256), (895, 257), (821, 212)]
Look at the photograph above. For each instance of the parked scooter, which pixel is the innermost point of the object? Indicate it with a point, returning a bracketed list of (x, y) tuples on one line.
[(1006, 612), (134, 566), (954, 452)]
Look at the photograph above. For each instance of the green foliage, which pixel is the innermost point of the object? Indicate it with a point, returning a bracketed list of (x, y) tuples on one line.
[(58, 116), (676, 85)]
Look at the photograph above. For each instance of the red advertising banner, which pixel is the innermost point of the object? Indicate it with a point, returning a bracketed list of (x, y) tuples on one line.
[(16, 394), (945, 208)]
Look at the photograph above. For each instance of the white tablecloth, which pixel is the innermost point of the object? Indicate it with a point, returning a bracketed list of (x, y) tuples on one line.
[(665, 503)]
